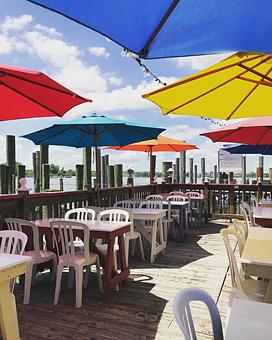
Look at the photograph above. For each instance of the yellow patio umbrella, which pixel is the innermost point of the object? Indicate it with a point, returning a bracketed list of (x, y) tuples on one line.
[(161, 144), (238, 87)]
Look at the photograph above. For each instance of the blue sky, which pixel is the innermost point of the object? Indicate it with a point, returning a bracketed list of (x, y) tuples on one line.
[(92, 65)]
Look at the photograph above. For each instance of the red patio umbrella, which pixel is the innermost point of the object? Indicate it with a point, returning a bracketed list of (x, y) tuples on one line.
[(254, 131), (27, 94)]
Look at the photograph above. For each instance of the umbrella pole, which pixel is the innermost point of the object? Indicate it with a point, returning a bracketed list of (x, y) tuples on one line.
[(150, 165), (97, 172)]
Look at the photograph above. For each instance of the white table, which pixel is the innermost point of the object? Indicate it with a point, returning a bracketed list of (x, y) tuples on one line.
[(263, 215), (10, 267), (257, 257), (183, 222), (155, 216), (258, 233), (249, 320)]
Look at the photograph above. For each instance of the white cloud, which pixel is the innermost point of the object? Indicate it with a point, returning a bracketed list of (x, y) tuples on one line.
[(16, 23), (5, 44), (48, 30), (99, 51), (183, 132), (115, 80), (199, 62), (127, 97)]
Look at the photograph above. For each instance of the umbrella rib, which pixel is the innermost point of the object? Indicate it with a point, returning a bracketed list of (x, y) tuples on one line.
[(31, 99), (53, 135), (67, 92), (144, 50), (249, 93), (215, 88), (260, 82), (256, 72), (198, 76), (262, 136)]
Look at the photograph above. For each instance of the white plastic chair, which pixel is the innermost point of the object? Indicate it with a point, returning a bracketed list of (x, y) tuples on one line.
[(253, 201), (12, 242), (153, 204), (80, 215), (179, 198), (179, 193), (65, 231), (113, 215), (193, 194), (242, 287), (241, 227), (125, 204), (154, 197), (247, 215), (183, 314), (37, 254)]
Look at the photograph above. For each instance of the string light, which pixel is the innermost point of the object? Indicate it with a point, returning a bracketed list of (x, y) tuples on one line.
[(148, 73)]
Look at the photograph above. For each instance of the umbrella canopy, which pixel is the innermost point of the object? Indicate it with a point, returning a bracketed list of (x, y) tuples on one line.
[(93, 131), (169, 28), (27, 94), (254, 131), (249, 149), (237, 87), (161, 144)]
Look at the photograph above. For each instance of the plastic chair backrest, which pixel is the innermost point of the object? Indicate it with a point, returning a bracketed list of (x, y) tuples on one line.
[(80, 214), (237, 277), (64, 230), (12, 242), (113, 215), (183, 314), (180, 193), (193, 194), (253, 201), (247, 214), (151, 204), (18, 224), (241, 227), (178, 198), (154, 197), (125, 204)]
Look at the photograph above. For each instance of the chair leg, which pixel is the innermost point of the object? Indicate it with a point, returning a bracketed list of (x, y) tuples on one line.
[(86, 276), (165, 230), (141, 247), (79, 280), (53, 270), (127, 249), (58, 282), (71, 276), (98, 273), (28, 280), (116, 288)]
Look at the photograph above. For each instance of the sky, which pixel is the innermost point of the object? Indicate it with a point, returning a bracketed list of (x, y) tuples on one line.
[(93, 66)]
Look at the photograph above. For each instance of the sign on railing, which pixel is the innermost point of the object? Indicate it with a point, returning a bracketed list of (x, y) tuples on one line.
[(229, 162)]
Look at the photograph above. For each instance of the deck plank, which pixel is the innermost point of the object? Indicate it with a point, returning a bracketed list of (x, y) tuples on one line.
[(143, 309)]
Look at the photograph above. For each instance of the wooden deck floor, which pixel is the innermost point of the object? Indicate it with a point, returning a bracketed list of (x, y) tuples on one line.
[(143, 309)]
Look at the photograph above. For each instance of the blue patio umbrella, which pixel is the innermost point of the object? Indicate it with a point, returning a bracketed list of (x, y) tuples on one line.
[(93, 131), (249, 149), (173, 28)]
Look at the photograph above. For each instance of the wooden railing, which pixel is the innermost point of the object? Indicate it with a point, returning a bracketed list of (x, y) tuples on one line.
[(221, 200)]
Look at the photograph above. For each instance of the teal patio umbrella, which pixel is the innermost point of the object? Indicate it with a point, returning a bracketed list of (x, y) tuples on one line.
[(94, 131)]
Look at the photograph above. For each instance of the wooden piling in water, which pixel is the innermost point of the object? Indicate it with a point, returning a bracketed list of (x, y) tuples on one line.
[(195, 173), (165, 167), (21, 173), (191, 170), (118, 175), (34, 166), (153, 170), (105, 163), (44, 172), (215, 174), (244, 179), (61, 183), (3, 179), (11, 162), (87, 168), (110, 176), (183, 167), (177, 172), (79, 176), (45, 177), (203, 170), (38, 178), (99, 174)]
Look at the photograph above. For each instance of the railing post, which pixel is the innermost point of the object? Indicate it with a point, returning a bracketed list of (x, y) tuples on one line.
[(206, 193), (231, 200), (259, 191), (25, 213)]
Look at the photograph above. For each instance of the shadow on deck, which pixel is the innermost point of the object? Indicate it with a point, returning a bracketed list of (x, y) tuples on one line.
[(142, 309)]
